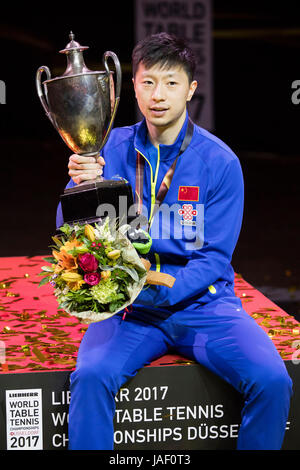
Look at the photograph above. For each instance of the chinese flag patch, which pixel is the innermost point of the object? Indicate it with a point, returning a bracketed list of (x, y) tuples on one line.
[(188, 193)]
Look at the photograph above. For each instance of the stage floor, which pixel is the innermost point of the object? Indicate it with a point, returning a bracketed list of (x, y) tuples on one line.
[(38, 336), (154, 411)]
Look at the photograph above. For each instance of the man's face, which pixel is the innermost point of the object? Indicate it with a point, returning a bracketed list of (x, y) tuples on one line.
[(162, 93)]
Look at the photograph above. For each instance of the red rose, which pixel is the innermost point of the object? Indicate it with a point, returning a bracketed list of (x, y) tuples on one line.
[(92, 278), (88, 262)]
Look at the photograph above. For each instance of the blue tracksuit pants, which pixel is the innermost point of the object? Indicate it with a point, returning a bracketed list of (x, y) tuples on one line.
[(220, 335)]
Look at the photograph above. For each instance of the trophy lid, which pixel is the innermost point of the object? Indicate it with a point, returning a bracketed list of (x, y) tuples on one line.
[(73, 45), (75, 61)]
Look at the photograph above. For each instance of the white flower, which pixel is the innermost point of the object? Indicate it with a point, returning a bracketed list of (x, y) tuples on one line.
[(103, 231)]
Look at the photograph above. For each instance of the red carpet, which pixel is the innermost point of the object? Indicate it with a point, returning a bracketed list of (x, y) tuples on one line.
[(37, 336)]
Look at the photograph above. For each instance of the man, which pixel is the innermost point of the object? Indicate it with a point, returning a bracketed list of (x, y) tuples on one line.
[(176, 164)]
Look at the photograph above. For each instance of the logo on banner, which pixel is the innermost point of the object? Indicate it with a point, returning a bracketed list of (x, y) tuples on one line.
[(188, 213), (24, 422)]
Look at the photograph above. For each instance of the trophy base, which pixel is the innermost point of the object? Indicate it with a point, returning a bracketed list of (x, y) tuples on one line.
[(93, 201)]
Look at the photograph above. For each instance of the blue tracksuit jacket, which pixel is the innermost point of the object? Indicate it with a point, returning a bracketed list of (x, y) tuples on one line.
[(197, 250)]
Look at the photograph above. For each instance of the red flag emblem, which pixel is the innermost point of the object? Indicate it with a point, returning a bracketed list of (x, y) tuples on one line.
[(188, 193)]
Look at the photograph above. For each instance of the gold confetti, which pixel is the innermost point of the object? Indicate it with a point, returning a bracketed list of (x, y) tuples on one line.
[(288, 342), (24, 316), (39, 354), (11, 294), (284, 354), (266, 324), (256, 315), (83, 330), (26, 349)]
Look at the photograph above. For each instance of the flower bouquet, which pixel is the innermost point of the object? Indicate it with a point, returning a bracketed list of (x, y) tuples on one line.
[(95, 271)]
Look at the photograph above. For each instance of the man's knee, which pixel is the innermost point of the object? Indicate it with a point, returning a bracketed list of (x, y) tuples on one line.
[(278, 381), (100, 375), (271, 382)]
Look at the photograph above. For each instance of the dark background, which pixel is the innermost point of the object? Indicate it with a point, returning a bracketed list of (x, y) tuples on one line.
[(256, 57)]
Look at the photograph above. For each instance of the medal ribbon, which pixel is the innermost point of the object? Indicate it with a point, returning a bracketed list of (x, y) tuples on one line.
[(166, 182)]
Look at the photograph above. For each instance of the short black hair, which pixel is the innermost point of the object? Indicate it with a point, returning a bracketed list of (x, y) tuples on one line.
[(165, 50)]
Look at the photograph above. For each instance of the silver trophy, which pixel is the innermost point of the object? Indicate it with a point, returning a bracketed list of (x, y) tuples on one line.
[(81, 104)]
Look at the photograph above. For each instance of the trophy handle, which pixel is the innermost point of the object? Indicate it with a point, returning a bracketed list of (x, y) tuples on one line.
[(42, 97), (117, 87)]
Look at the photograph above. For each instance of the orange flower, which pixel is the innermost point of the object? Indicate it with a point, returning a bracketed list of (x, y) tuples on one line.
[(65, 261), (70, 245)]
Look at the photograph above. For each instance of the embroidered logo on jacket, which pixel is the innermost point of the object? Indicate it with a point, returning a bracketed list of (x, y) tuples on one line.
[(188, 213)]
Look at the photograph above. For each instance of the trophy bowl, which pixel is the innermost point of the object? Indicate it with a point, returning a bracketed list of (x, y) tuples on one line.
[(81, 111), (82, 104)]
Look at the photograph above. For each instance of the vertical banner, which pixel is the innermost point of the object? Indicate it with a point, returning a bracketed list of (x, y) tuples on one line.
[(24, 422), (191, 20)]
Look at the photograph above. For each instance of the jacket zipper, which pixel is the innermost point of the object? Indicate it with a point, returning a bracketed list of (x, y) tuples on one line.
[(153, 181), (153, 196), (157, 260)]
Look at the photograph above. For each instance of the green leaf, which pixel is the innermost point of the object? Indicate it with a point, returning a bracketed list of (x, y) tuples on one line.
[(55, 248), (44, 281), (78, 250), (48, 269), (49, 259), (57, 241), (66, 229)]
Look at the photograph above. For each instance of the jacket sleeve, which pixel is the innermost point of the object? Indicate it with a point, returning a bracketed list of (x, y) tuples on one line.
[(223, 214), (59, 213)]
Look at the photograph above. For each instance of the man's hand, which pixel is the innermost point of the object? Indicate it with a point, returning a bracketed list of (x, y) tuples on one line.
[(85, 168), (140, 239)]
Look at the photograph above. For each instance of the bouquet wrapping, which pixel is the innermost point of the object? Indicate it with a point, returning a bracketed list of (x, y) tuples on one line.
[(95, 271)]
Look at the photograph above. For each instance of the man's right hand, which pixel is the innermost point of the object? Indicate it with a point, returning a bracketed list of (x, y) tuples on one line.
[(84, 168)]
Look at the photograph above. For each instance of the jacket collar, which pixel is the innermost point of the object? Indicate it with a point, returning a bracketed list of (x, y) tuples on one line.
[(166, 151)]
